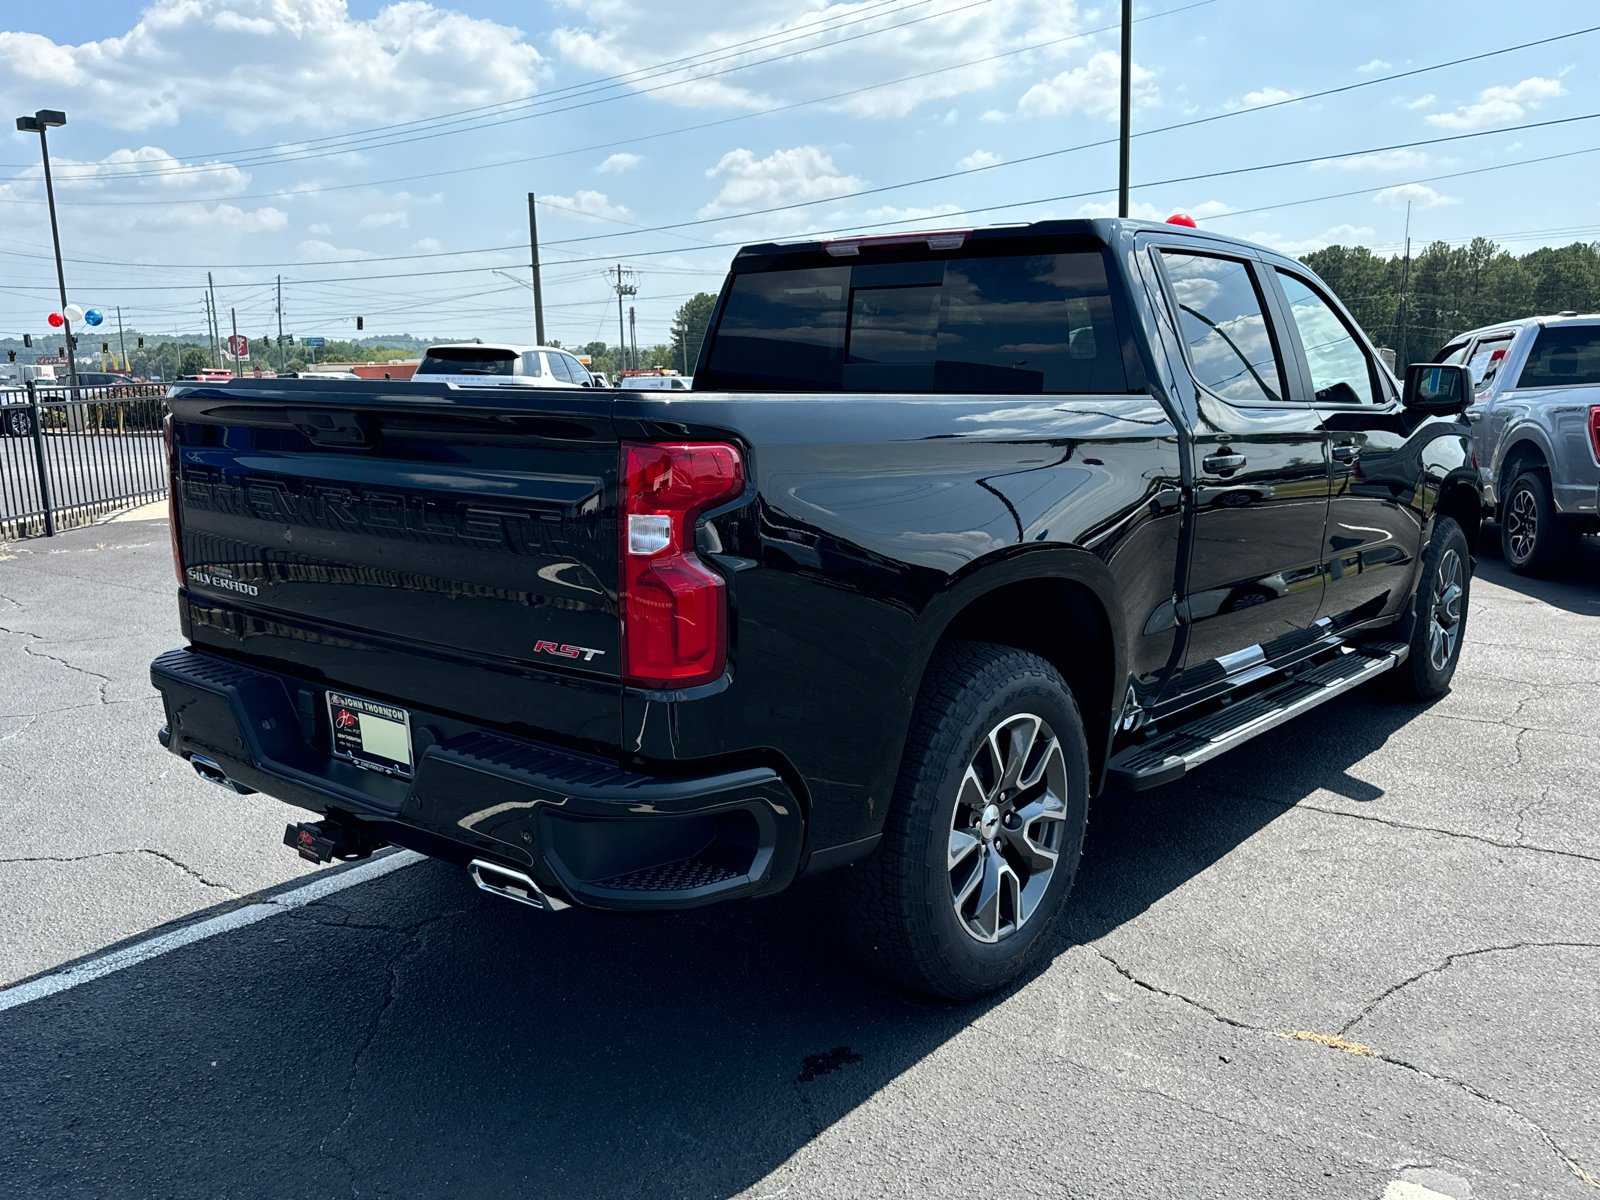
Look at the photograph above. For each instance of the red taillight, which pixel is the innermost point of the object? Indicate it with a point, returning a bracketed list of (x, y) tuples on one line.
[(1594, 430), (674, 613), (171, 440)]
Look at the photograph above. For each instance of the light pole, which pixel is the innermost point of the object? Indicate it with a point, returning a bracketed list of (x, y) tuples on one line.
[(50, 118), (1125, 107)]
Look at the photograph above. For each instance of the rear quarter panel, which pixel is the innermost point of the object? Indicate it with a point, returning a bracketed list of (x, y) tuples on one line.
[(869, 522)]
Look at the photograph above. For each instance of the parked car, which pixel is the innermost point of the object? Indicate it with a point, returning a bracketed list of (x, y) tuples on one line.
[(480, 364), (16, 418), (1536, 431), (659, 383), (916, 570)]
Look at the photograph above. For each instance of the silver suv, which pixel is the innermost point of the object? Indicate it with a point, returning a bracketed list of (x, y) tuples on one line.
[(1536, 431)]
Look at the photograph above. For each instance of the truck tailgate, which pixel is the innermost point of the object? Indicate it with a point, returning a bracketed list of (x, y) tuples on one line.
[(452, 549)]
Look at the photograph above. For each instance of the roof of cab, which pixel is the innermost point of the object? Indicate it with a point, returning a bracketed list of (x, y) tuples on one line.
[(512, 347), (1106, 230)]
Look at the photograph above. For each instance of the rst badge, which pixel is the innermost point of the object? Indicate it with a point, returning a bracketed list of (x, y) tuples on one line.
[(561, 650)]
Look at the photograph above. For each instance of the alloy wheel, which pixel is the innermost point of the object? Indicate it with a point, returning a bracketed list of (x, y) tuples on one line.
[(1445, 629), (1522, 524), (1007, 828)]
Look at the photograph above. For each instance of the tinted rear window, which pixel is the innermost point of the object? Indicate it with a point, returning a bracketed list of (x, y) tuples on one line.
[(1565, 356), (1017, 324), (468, 360)]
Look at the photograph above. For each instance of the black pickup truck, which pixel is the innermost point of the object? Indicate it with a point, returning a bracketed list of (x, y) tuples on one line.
[(953, 531)]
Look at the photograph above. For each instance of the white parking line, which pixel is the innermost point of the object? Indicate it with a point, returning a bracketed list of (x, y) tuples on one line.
[(315, 889)]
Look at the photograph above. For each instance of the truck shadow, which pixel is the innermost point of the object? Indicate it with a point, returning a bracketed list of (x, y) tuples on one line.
[(415, 1037), (1575, 588)]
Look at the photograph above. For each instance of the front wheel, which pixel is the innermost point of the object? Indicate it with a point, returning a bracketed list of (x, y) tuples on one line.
[(982, 841), (1440, 608), (16, 422)]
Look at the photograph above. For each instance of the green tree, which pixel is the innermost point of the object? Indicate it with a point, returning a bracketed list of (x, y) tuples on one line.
[(689, 330), (194, 361)]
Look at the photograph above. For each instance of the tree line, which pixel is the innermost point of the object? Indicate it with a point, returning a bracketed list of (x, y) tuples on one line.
[(1417, 305)]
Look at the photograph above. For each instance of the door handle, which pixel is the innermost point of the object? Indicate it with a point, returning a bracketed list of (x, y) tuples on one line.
[(1218, 463), (1346, 451)]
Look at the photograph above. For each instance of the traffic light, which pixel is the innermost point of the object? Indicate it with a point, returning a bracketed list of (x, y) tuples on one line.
[(27, 341), (105, 347), (140, 341), (361, 323), (11, 356)]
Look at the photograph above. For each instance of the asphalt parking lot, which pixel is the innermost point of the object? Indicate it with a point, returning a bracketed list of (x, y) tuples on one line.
[(1358, 958)]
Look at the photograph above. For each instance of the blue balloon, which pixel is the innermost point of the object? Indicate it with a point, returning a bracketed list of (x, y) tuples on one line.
[(94, 316)]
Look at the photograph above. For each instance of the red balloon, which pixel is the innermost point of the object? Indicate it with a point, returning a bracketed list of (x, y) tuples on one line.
[(1182, 219), (56, 320)]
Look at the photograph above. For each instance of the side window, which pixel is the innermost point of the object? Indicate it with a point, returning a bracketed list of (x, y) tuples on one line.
[(1488, 356), (558, 368), (1454, 354), (530, 364), (1225, 326), (575, 372), (1340, 370), (1563, 356)]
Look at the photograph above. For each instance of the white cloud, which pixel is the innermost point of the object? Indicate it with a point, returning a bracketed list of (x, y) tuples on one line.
[(784, 176), (1499, 105), (254, 64), (1255, 99), (317, 250), (148, 170), (994, 114), (427, 245), (320, 229), (619, 163), (978, 159), (1383, 160), (1142, 211), (1421, 101), (586, 203), (888, 214), (1413, 193), (818, 48), (1094, 88), (1339, 235), (394, 219), (1370, 68)]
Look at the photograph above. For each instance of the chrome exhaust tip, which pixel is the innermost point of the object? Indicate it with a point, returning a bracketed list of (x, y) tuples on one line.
[(212, 772), (513, 885)]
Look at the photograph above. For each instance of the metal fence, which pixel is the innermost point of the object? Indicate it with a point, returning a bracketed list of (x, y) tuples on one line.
[(69, 457)]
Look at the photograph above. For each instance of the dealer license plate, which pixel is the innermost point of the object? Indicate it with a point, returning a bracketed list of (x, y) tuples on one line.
[(371, 735)]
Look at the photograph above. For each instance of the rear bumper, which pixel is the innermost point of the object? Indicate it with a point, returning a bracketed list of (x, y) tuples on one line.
[(586, 829)]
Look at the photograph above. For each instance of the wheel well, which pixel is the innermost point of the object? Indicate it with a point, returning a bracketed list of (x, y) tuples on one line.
[(1064, 624), (1460, 502), (1523, 456)]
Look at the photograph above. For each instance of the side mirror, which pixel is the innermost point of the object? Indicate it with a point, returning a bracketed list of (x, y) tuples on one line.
[(1437, 388)]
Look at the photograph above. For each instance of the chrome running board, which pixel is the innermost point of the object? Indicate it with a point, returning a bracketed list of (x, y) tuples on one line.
[(1171, 755)]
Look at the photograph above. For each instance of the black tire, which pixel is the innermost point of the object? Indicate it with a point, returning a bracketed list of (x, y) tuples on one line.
[(1444, 589), (1534, 538), (899, 908), (16, 421)]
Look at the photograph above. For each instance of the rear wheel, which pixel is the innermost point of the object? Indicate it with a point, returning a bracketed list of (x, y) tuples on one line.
[(1441, 616), (16, 421), (982, 841), (1533, 537)]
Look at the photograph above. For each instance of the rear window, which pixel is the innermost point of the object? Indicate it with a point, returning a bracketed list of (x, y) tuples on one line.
[(468, 360), (1017, 324), (1563, 356)]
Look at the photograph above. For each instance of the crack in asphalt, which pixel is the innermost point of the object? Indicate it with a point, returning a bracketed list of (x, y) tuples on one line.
[(1472, 1090), (105, 680), (161, 854), (1450, 961)]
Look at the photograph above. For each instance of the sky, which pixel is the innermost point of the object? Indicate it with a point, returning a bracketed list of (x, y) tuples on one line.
[(378, 157)]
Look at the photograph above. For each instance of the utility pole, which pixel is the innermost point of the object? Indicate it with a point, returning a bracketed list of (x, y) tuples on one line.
[(633, 338), (281, 359), (1405, 299), (123, 342), (626, 285), (233, 314), (538, 289), (216, 335), (1127, 107)]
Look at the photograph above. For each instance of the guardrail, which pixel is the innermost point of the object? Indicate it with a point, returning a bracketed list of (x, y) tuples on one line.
[(71, 456)]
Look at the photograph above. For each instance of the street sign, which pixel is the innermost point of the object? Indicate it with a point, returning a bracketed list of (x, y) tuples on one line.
[(239, 346), (313, 341)]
